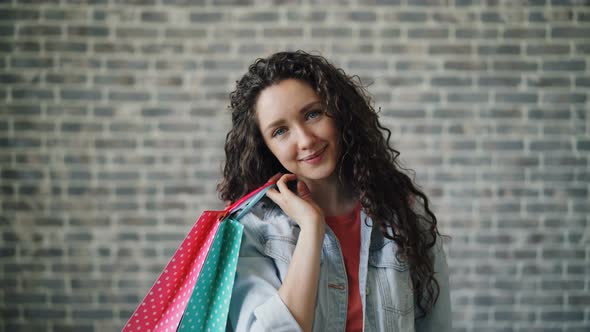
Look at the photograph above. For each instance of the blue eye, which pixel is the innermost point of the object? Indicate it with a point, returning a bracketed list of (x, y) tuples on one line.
[(279, 131), (313, 114)]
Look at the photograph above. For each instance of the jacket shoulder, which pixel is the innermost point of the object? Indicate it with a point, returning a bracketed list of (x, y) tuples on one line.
[(266, 220)]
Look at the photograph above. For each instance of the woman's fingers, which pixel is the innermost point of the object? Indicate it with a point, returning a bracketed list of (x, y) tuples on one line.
[(275, 177), (283, 192), (303, 190), (296, 203), (282, 184), (274, 195)]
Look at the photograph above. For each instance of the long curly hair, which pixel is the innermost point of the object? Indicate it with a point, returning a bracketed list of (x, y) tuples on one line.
[(367, 162)]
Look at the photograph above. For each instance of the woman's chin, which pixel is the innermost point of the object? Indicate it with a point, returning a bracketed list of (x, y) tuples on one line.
[(317, 174)]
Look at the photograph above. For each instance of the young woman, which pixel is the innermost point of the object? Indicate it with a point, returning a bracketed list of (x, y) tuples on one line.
[(345, 242)]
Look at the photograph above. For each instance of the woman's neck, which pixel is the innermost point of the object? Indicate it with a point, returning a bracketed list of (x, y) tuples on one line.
[(332, 196)]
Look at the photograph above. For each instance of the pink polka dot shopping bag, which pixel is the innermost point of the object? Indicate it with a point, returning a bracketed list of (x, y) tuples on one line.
[(194, 290)]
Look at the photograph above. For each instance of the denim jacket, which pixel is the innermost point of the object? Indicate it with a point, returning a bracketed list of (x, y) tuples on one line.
[(387, 298)]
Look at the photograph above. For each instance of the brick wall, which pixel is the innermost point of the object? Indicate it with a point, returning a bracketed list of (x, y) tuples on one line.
[(113, 120)]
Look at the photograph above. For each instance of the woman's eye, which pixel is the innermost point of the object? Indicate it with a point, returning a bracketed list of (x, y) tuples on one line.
[(313, 114), (278, 132)]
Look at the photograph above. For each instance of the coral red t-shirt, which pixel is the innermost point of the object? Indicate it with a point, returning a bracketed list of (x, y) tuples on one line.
[(348, 231)]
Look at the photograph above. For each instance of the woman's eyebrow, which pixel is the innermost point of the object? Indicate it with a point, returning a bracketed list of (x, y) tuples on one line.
[(303, 109)]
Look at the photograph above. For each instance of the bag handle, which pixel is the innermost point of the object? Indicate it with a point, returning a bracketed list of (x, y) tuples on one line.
[(248, 201)]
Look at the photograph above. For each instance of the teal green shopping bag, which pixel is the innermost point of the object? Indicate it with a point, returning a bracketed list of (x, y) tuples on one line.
[(208, 307)]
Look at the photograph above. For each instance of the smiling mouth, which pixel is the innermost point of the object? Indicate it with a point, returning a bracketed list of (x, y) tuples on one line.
[(315, 155)]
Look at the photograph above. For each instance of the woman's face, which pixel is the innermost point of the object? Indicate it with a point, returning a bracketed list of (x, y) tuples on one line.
[(297, 130)]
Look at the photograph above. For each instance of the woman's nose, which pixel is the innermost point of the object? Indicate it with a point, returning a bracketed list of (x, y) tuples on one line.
[(305, 138)]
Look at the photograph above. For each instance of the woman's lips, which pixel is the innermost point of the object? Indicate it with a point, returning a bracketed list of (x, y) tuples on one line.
[(316, 157)]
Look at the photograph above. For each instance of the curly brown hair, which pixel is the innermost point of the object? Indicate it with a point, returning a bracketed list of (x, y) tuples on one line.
[(367, 161)]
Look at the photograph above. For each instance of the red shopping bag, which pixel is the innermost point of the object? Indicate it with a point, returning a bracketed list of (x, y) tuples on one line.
[(162, 308)]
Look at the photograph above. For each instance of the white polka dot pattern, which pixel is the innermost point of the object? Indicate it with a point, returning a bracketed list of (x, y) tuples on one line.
[(162, 308), (208, 307)]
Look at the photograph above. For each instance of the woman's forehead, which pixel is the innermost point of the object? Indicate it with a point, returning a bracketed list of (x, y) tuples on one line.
[(286, 96)]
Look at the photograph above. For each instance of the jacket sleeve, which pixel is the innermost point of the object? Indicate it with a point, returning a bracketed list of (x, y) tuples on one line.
[(439, 319), (255, 303)]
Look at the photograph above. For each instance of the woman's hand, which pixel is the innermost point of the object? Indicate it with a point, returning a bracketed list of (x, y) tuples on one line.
[(299, 206), (300, 285)]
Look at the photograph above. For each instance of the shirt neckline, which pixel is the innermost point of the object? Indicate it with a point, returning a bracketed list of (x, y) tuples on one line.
[(349, 217)]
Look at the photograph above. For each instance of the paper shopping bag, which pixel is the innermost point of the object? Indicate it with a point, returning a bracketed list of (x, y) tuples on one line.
[(163, 307), (208, 307)]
